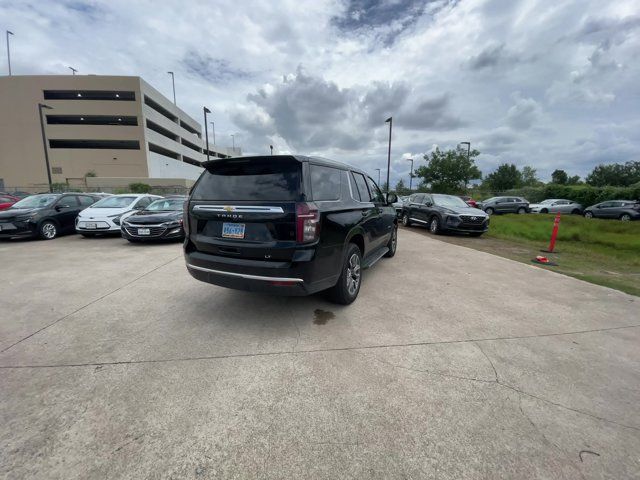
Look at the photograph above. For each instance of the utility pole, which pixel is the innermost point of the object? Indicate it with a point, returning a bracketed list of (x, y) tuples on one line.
[(206, 129), (390, 122), (8, 51), (44, 143), (271, 147), (173, 83), (410, 174)]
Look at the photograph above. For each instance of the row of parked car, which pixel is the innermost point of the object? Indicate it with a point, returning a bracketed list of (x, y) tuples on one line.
[(137, 217)]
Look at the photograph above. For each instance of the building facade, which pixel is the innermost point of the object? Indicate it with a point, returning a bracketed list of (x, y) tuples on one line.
[(98, 130)]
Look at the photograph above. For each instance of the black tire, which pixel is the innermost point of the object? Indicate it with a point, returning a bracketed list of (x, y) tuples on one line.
[(392, 244), (522, 211), (476, 234), (489, 211), (405, 220), (343, 292), (434, 225), (588, 215), (625, 217), (544, 210), (48, 230)]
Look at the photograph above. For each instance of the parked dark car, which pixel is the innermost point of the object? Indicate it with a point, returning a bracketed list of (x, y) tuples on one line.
[(7, 200), (442, 213), (161, 220), (624, 210), (45, 215), (504, 205), (287, 224)]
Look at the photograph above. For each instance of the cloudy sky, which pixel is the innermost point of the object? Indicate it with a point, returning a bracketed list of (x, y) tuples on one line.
[(552, 84)]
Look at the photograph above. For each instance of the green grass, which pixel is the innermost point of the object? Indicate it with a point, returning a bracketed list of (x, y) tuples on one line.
[(605, 252)]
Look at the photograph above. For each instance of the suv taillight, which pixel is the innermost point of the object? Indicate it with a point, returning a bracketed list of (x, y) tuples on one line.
[(307, 222)]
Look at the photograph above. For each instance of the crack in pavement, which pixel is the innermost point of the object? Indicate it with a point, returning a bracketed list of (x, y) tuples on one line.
[(89, 304)]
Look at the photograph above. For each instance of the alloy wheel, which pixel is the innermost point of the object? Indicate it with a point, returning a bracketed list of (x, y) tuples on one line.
[(433, 226), (49, 230), (626, 217), (394, 239), (353, 274)]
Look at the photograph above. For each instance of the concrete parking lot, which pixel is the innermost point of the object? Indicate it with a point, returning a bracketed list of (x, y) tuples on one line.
[(451, 364)]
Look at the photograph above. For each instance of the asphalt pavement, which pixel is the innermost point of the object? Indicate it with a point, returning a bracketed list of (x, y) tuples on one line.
[(451, 364)]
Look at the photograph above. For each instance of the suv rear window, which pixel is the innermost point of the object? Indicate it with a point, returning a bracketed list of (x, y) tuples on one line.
[(259, 179)]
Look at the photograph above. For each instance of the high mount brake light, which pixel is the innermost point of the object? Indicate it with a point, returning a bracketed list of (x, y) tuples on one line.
[(307, 222)]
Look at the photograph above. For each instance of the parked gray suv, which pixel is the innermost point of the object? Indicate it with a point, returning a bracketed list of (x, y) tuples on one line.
[(504, 205)]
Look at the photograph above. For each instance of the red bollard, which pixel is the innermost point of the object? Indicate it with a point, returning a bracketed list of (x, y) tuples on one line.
[(554, 234)]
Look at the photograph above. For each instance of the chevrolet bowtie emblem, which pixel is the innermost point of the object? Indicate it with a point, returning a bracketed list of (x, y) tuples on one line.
[(228, 209)]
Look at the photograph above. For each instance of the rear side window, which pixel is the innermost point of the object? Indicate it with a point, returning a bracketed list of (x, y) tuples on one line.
[(69, 200), (86, 201), (362, 191), (325, 183), (254, 179)]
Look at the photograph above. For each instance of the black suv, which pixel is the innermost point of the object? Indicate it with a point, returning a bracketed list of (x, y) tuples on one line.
[(505, 205), (287, 224), (46, 215), (444, 212)]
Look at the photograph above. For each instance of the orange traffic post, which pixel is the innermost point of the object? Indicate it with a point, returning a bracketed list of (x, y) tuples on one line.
[(554, 234)]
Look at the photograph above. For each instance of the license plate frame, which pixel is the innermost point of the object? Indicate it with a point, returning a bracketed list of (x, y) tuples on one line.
[(233, 230), (144, 231), (90, 225)]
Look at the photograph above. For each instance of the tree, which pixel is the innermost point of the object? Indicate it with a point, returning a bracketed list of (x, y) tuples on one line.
[(449, 171), (574, 180), (529, 177), (504, 178), (401, 189), (560, 177), (615, 174)]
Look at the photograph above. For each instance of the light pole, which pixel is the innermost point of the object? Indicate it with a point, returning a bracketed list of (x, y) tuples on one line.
[(213, 130), (73, 70), (206, 129), (233, 142), (390, 122), (378, 175), (44, 143), (8, 52), (468, 144), (271, 148), (173, 83), (410, 174)]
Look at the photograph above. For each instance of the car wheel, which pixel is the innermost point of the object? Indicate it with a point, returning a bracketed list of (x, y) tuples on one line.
[(346, 290), (544, 210), (48, 230), (405, 220), (625, 217), (393, 243), (434, 225), (588, 215), (489, 211), (522, 211)]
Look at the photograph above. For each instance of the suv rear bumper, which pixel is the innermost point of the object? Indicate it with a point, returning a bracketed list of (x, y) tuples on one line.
[(285, 278)]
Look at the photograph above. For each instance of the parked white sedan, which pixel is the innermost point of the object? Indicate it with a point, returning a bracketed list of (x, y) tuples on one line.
[(105, 215), (556, 205)]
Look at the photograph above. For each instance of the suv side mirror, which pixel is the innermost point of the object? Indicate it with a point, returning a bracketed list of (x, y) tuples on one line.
[(392, 198)]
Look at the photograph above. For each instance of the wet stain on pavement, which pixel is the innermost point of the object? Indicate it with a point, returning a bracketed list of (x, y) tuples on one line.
[(321, 317)]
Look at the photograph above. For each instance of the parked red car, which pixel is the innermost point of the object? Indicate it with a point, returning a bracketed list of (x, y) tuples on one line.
[(469, 201), (7, 200)]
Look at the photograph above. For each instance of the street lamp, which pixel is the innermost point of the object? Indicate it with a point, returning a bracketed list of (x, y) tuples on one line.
[(206, 129), (468, 144), (271, 147), (44, 143), (410, 174), (390, 122), (8, 52), (73, 70), (378, 170), (173, 82)]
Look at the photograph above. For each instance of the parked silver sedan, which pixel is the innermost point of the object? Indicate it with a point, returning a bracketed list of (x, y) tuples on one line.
[(556, 205)]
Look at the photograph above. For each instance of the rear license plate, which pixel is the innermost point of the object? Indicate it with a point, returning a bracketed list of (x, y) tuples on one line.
[(144, 231), (91, 225), (233, 230)]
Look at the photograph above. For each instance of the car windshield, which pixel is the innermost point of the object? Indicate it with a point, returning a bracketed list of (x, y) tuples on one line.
[(448, 201), (114, 202), (166, 205), (35, 201)]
